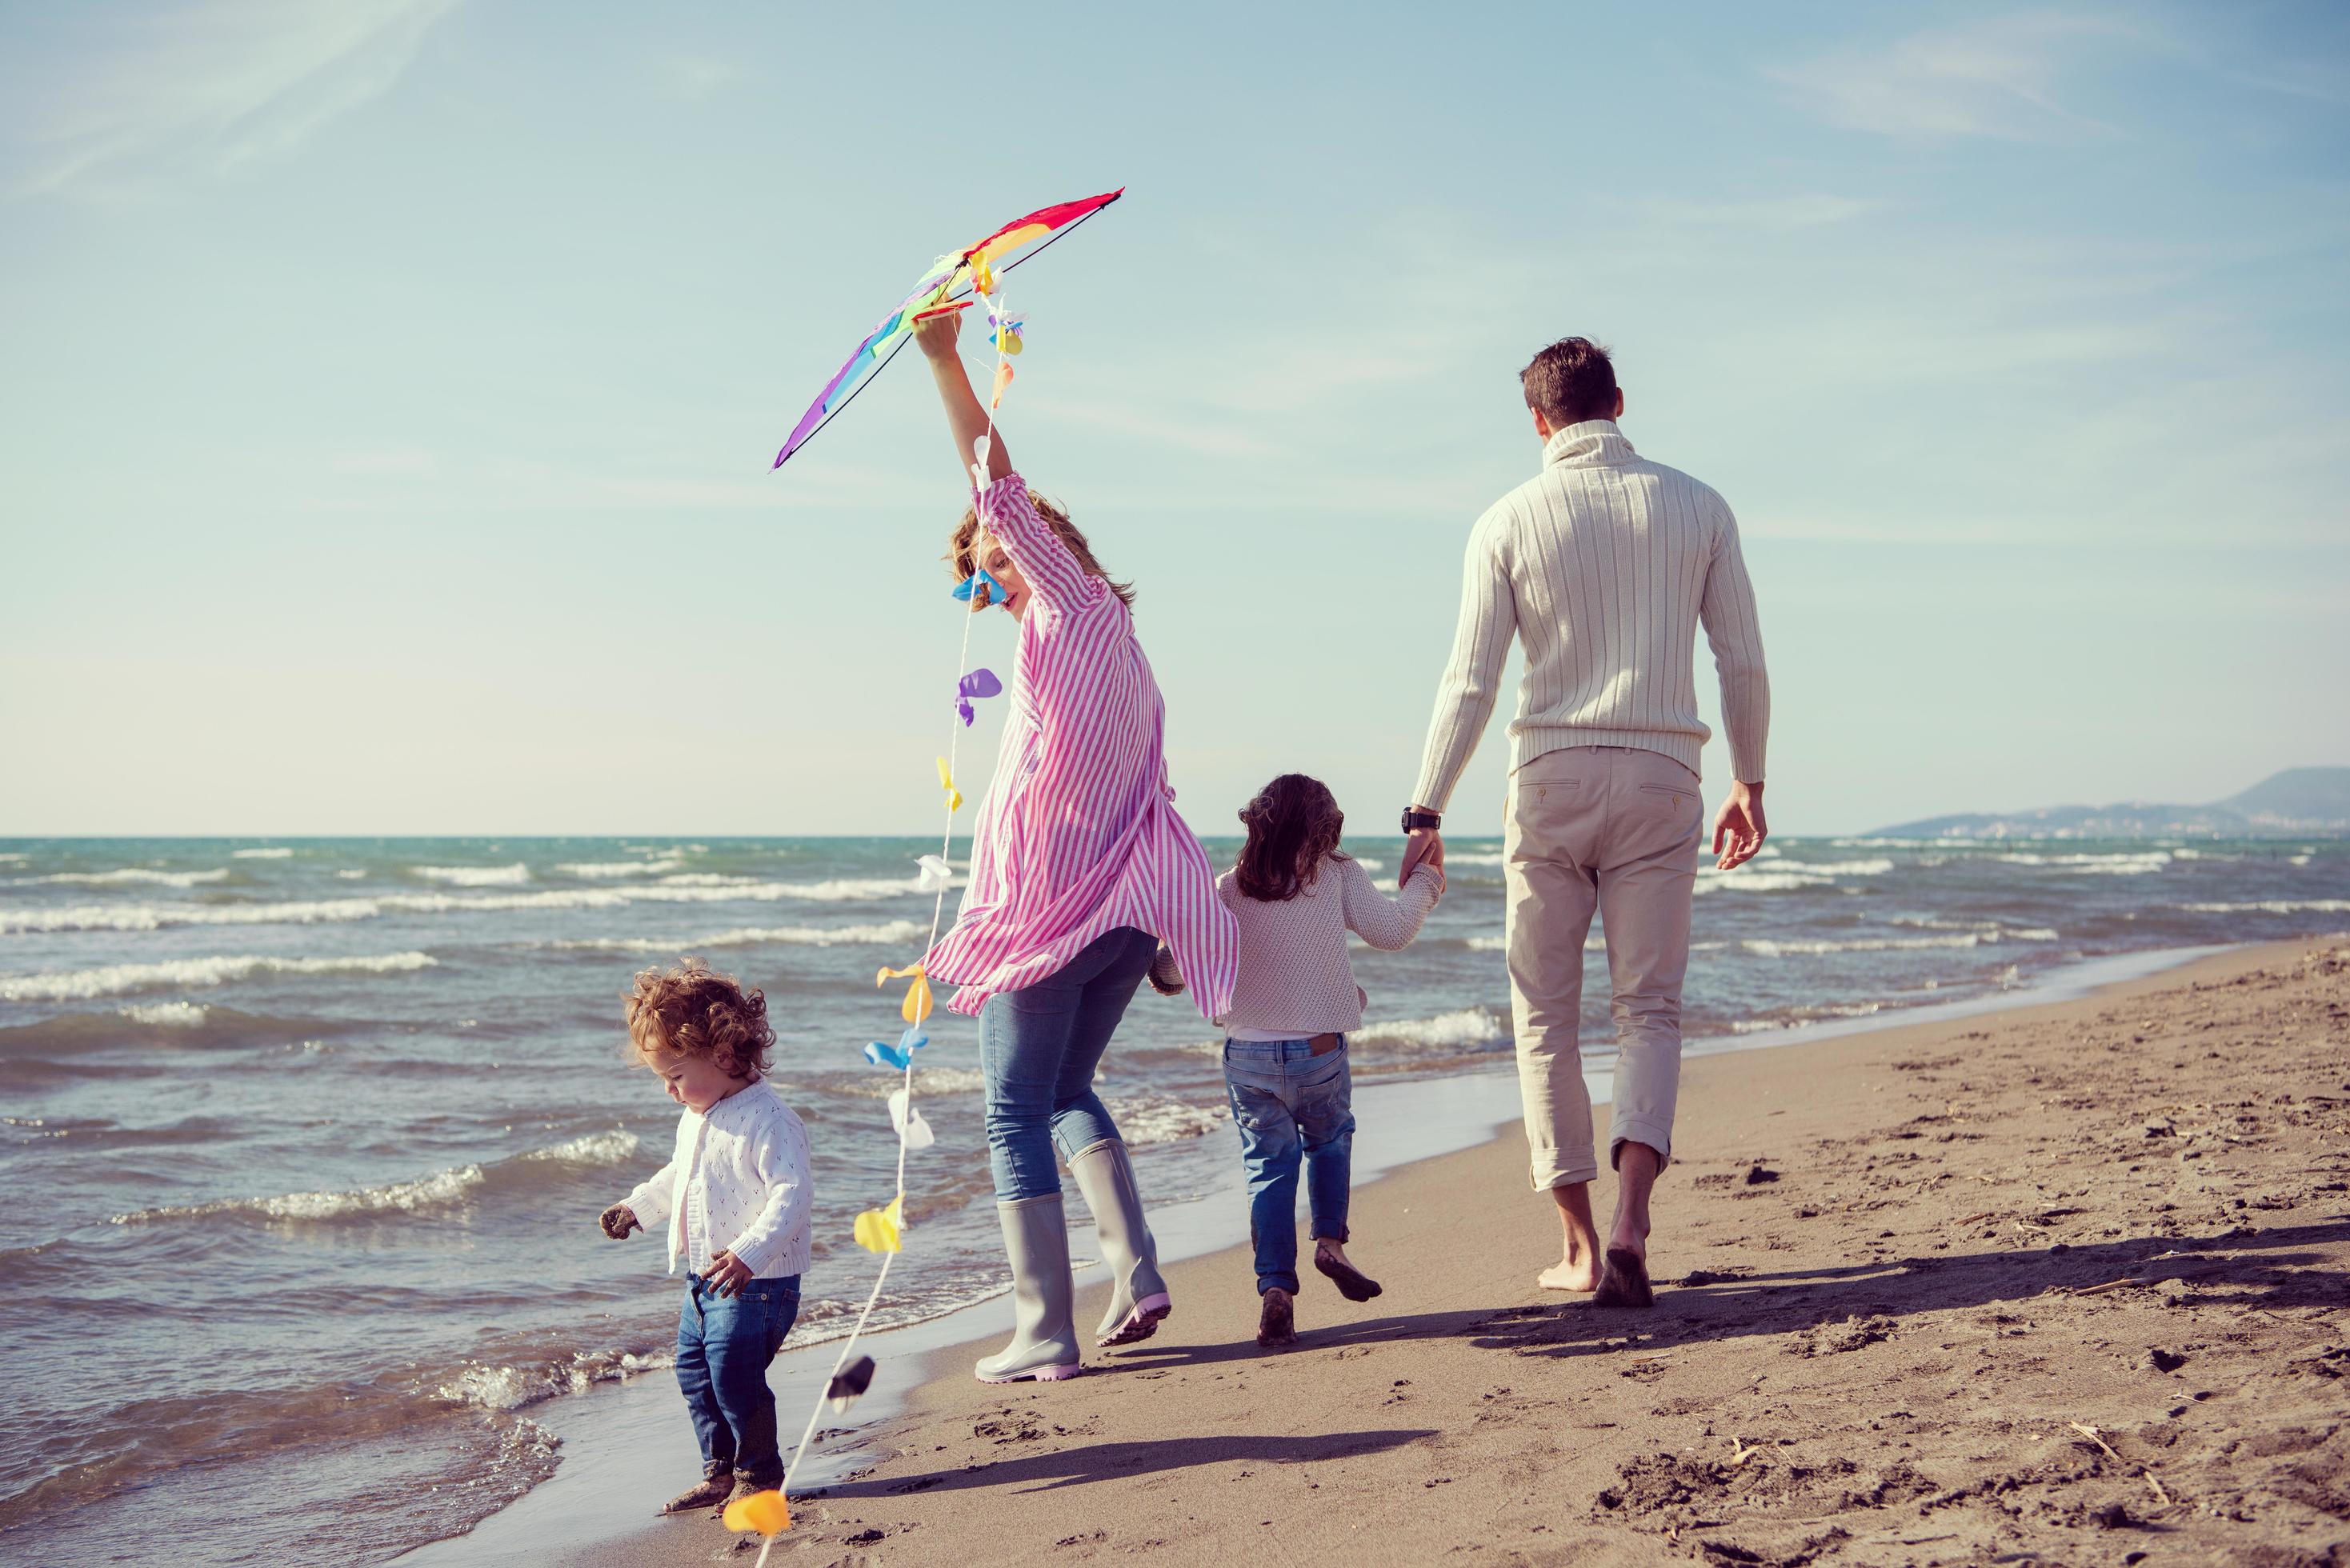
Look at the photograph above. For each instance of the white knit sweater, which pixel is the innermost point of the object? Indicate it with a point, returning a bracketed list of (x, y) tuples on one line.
[(1605, 564), (1295, 978)]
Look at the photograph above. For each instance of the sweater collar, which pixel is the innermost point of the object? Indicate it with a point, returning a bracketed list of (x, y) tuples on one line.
[(1593, 443)]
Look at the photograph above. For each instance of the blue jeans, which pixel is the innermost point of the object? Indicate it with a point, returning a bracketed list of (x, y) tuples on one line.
[(724, 1346), (1288, 1102), (1038, 1047)]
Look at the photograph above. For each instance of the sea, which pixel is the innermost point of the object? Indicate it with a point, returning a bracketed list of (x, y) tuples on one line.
[(303, 1141)]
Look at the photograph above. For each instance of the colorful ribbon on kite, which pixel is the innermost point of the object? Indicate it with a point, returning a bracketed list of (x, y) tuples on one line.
[(970, 270)]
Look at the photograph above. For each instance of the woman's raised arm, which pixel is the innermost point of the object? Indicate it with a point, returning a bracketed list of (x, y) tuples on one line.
[(966, 415)]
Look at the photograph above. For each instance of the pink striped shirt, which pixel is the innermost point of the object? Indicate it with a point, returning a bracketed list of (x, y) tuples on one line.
[(1078, 834)]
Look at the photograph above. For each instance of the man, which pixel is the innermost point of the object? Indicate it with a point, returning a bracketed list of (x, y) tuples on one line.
[(1605, 564)]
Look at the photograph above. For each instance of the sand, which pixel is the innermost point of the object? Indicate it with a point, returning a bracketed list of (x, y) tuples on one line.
[(2063, 1285)]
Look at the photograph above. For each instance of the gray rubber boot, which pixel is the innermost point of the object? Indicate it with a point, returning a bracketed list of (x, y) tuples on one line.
[(1044, 1333), (1137, 1295)]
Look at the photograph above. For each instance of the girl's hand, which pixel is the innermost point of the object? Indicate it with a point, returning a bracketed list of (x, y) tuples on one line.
[(938, 337), (618, 1221), (728, 1274)]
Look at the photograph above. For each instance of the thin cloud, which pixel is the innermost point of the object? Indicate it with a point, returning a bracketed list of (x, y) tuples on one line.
[(100, 102), (1775, 213), (1999, 78)]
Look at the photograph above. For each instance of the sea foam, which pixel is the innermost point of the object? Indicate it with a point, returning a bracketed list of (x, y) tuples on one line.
[(512, 876), (115, 979), (132, 874)]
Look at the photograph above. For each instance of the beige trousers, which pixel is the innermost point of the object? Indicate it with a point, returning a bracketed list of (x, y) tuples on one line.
[(1616, 830)]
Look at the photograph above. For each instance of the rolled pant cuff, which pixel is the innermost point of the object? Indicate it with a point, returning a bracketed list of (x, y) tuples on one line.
[(1549, 1178), (1659, 1139), (1276, 1282), (1320, 1232)]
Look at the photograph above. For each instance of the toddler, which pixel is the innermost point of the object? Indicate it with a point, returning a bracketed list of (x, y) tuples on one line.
[(735, 1200)]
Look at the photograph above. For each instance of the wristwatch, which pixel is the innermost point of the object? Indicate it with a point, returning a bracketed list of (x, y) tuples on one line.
[(1415, 819)]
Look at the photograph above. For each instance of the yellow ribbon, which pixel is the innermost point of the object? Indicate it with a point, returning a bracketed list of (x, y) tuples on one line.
[(764, 1511), (946, 783), (879, 1230), (918, 1002)]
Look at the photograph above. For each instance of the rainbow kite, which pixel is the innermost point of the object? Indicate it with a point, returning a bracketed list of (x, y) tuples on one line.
[(946, 279)]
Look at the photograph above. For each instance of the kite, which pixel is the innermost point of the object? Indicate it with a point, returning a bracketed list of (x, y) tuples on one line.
[(945, 280)]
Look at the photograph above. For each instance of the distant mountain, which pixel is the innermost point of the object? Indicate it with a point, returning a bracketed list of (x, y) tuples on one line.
[(2299, 802)]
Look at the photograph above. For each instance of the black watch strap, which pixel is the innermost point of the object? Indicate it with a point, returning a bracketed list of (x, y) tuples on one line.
[(1415, 820)]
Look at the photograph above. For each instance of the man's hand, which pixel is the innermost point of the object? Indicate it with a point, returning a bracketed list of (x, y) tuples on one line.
[(1426, 845), (1738, 827), (728, 1274), (618, 1221), (937, 336)]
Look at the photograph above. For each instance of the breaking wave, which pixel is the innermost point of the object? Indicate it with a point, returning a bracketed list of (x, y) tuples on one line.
[(512, 876), (437, 1190), (128, 875), (886, 933), (330, 911), (118, 979)]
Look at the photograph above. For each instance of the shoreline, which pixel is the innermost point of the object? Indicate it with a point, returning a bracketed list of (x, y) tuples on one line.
[(595, 1507)]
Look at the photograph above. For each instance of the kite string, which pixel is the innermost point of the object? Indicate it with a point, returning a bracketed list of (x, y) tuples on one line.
[(938, 913)]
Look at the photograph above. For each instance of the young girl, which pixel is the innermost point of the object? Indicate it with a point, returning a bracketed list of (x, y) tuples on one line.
[(1296, 895), (735, 1200)]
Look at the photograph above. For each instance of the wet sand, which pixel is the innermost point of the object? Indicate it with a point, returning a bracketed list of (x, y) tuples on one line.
[(2064, 1285)]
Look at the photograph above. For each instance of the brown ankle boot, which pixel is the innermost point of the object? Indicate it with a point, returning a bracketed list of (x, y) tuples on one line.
[(708, 1492)]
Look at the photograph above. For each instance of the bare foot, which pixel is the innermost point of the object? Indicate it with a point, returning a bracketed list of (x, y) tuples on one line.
[(1276, 1326), (707, 1493), (1625, 1281), (1578, 1274), (1330, 1258)]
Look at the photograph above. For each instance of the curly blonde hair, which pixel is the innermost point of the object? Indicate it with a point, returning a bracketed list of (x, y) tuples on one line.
[(690, 1009)]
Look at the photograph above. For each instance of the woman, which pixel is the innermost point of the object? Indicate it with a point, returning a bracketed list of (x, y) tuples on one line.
[(1079, 868)]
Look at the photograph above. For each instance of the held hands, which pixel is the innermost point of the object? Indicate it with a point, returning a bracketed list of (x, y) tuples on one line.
[(618, 1221), (1422, 846), (1738, 827), (728, 1274)]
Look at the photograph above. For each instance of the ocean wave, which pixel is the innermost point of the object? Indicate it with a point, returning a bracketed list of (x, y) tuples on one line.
[(888, 933), (333, 912), (1743, 881), (261, 854), (1875, 867), (438, 1190), (128, 875), (2126, 863), (498, 1389), (590, 871), (1487, 944), (1767, 947), (512, 876), (2275, 906), (114, 980), (1469, 1028), (877, 1085), (1144, 1119), (168, 1014)]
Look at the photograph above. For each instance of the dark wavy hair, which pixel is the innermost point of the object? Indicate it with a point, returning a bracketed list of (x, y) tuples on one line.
[(1292, 826), (692, 1008)]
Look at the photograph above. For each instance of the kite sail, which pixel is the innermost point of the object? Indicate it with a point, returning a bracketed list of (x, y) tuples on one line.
[(945, 280)]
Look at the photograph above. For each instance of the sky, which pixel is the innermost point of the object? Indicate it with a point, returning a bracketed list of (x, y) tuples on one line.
[(390, 389)]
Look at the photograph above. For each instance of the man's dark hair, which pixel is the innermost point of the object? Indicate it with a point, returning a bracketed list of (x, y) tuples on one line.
[(1571, 381)]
